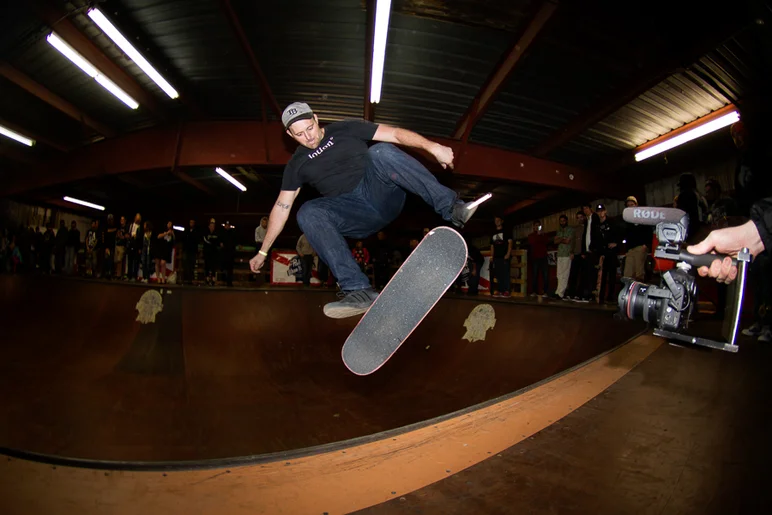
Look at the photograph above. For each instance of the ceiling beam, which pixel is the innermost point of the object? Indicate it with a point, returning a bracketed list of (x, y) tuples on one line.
[(59, 22), (52, 99), (504, 69), (175, 168), (369, 107), (51, 142), (265, 88), (645, 79), (531, 201), (237, 143)]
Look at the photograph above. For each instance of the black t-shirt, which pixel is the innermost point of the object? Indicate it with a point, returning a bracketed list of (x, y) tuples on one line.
[(337, 164), (500, 241)]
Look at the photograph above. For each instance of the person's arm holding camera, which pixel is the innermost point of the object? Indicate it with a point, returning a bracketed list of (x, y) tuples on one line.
[(756, 235)]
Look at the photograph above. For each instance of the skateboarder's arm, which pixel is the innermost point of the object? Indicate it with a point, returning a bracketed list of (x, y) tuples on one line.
[(279, 215), (398, 136)]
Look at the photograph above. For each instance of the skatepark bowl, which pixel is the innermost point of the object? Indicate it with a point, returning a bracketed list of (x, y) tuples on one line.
[(133, 393)]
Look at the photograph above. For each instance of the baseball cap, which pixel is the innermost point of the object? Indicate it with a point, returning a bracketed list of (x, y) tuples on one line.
[(633, 199), (600, 207), (294, 112)]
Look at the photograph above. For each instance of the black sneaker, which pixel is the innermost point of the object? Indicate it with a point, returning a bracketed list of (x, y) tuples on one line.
[(352, 303)]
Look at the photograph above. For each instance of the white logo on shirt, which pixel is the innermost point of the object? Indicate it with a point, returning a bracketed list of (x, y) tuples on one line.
[(319, 150)]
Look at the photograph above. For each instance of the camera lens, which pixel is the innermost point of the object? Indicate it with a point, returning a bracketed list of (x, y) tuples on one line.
[(634, 301)]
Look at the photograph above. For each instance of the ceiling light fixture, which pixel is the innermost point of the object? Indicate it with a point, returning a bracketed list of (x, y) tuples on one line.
[(84, 203), (479, 201), (382, 12), (78, 60), (230, 179), (8, 133), (114, 34), (703, 126)]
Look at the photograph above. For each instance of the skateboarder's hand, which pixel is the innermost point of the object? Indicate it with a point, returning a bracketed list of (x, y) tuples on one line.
[(256, 263), (444, 155), (727, 241)]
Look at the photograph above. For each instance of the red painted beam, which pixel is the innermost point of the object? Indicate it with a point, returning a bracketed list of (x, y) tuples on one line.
[(646, 79), (235, 24), (544, 195), (57, 19), (225, 143), (504, 69), (52, 99)]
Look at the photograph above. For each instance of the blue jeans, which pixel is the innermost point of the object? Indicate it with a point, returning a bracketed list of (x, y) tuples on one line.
[(374, 203)]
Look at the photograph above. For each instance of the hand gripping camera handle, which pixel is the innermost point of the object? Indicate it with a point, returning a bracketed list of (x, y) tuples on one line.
[(703, 259)]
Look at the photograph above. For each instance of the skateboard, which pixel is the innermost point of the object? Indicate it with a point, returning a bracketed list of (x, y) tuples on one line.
[(408, 297)]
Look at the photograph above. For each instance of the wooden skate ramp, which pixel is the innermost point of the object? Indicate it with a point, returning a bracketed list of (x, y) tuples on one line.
[(226, 374)]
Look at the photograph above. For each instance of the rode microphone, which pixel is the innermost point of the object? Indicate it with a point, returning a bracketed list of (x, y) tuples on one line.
[(671, 228), (655, 215)]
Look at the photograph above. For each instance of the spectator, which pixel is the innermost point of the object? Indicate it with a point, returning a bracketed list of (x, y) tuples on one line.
[(228, 252), (163, 251), (48, 246), (146, 257), (260, 231), (501, 252), (61, 245), (16, 256), (109, 237), (211, 241), (92, 245), (306, 253), (134, 243), (537, 241), (564, 239), (637, 238), (190, 252), (609, 250), (120, 247), (576, 275), (71, 249)]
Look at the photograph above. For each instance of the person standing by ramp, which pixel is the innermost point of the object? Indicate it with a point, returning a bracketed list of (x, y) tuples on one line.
[(363, 190)]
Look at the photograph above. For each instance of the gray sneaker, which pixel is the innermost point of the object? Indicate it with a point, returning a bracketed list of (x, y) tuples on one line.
[(753, 330), (462, 212), (353, 303)]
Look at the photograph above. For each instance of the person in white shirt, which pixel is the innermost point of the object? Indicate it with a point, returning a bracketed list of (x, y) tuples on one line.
[(260, 231)]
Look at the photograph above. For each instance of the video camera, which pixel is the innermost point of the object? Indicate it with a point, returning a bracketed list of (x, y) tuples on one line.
[(669, 306)]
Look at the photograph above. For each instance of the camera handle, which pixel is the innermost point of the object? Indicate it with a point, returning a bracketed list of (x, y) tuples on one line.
[(674, 253)]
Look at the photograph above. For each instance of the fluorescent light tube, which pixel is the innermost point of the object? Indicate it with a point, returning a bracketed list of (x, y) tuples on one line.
[(479, 201), (230, 179), (84, 203), (8, 133), (113, 33), (382, 12), (78, 60), (689, 135)]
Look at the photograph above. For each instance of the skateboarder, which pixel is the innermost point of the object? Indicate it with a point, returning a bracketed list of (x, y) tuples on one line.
[(362, 190)]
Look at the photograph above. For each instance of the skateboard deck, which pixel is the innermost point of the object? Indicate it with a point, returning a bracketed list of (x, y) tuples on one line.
[(407, 298)]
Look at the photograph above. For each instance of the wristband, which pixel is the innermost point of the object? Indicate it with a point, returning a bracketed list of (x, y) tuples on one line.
[(262, 253)]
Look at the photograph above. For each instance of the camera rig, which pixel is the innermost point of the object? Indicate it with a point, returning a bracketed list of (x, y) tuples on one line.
[(670, 305)]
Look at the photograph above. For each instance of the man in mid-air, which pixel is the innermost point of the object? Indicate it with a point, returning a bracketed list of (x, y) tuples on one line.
[(363, 189)]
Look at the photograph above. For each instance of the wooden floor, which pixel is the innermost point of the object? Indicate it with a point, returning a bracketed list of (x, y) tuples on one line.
[(686, 432)]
